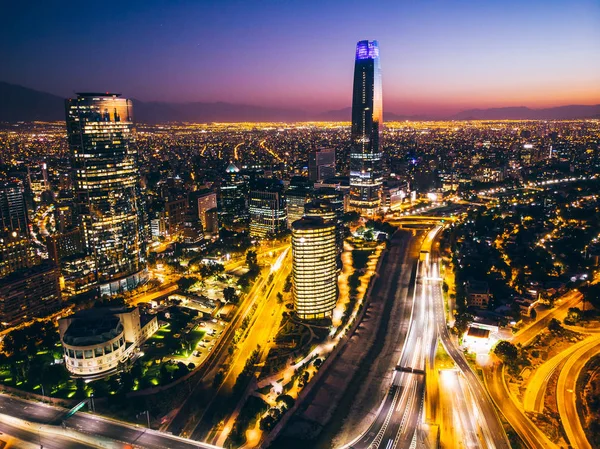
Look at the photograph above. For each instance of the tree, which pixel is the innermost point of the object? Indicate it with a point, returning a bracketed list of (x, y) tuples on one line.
[(185, 283), (506, 351), (251, 258), (554, 326), (230, 295), (574, 316), (287, 400)]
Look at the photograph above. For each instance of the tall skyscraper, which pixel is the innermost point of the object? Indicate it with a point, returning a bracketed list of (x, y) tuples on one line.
[(105, 173), (367, 124), (13, 210), (321, 164), (267, 208), (233, 194), (296, 197), (314, 268)]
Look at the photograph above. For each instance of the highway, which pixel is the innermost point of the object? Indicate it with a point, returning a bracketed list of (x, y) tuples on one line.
[(536, 387), (529, 432), (498, 390), (85, 423), (399, 418), (566, 391), (492, 432)]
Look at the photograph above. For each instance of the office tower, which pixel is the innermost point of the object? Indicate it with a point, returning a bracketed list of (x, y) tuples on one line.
[(367, 125), (233, 196), (16, 253), (30, 293), (192, 228), (314, 270), (175, 211), (329, 211), (267, 208), (64, 245), (203, 202), (296, 196), (105, 172), (321, 164), (13, 210)]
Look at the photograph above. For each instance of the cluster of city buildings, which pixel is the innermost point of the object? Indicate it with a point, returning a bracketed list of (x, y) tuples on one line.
[(79, 211)]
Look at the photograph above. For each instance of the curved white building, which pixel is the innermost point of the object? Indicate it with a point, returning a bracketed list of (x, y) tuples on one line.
[(314, 268), (96, 341)]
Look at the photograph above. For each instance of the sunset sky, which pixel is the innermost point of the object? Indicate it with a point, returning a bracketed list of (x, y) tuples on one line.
[(436, 56)]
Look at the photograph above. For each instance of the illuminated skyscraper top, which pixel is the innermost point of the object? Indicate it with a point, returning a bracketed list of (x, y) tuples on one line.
[(105, 174), (367, 125)]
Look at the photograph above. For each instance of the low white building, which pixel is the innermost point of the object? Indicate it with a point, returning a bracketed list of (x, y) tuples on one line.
[(96, 341)]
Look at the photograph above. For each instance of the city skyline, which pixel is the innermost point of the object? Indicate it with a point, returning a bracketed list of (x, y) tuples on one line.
[(439, 58)]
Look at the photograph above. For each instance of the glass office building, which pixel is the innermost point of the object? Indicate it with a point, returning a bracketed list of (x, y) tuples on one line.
[(367, 124), (105, 174), (314, 267), (267, 208)]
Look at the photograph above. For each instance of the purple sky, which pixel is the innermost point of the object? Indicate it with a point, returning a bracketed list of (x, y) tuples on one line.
[(436, 56)]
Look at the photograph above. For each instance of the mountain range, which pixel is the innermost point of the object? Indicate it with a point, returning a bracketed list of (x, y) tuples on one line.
[(18, 103)]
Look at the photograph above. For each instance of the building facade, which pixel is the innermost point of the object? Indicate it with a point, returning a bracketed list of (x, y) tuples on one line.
[(314, 268), (30, 293), (296, 196), (321, 164), (106, 178), (233, 196), (97, 341), (267, 208), (13, 209), (366, 172)]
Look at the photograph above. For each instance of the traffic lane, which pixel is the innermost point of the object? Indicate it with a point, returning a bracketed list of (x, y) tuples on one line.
[(567, 389), (35, 437), (369, 436), (526, 430), (129, 435), (28, 411)]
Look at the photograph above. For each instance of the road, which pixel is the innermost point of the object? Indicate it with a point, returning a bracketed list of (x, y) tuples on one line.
[(268, 315), (91, 425), (493, 434), (566, 394), (185, 421), (399, 418), (533, 400), (498, 390), (529, 432), (562, 306)]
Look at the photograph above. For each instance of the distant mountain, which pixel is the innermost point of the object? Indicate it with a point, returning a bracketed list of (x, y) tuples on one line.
[(19, 103), (157, 112), (345, 115), (524, 113)]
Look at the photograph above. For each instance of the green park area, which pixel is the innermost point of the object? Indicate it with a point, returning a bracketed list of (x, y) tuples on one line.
[(32, 360)]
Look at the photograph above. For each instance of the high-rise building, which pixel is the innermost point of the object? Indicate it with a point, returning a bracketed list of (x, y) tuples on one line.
[(29, 293), (267, 208), (314, 268), (296, 196), (329, 211), (106, 178), (233, 193), (321, 164), (16, 253), (204, 202), (367, 124), (13, 209)]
